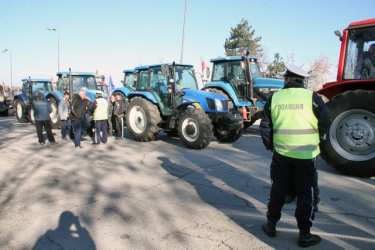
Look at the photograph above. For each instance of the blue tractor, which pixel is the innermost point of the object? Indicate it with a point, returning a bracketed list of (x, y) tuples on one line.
[(31, 87), (239, 79), (73, 82), (165, 97)]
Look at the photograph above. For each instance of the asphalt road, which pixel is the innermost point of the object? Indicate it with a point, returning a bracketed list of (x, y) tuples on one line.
[(161, 195)]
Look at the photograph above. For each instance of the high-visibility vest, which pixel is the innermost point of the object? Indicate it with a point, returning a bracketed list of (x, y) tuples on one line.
[(101, 111), (295, 127)]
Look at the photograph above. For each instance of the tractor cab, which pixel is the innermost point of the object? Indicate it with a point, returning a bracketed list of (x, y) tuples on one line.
[(166, 86), (130, 79), (32, 87), (80, 80)]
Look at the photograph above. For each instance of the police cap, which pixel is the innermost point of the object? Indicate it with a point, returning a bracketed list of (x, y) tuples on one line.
[(294, 71)]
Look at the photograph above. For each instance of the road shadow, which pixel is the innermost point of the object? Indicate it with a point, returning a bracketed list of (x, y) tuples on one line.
[(69, 234)]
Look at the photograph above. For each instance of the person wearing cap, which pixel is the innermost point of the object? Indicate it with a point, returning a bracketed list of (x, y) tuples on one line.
[(99, 110), (64, 112), (119, 113), (294, 121)]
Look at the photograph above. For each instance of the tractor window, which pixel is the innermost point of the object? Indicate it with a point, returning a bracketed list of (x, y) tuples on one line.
[(218, 72), (41, 87), (185, 78), (360, 54), (130, 80), (142, 83)]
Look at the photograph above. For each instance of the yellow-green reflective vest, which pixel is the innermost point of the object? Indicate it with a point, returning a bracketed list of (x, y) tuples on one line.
[(101, 111), (295, 127)]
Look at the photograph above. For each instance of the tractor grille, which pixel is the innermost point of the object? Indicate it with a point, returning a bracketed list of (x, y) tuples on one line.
[(210, 103), (225, 104)]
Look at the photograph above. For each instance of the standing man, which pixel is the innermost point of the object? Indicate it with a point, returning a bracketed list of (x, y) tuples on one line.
[(99, 110), (42, 109), (294, 121), (119, 113), (111, 118), (64, 112), (77, 115)]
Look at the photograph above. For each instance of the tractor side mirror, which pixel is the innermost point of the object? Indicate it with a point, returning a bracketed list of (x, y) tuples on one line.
[(208, 72), (165, 70)]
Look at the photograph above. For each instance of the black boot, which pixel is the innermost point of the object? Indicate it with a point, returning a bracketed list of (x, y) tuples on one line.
[(269, 228), (307, 239)]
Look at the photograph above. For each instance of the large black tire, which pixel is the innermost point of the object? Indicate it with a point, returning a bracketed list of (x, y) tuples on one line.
[(54, 115), (230, 101), (227, 136), (195, 128), (350, 147), (142, 119), (20, 111)]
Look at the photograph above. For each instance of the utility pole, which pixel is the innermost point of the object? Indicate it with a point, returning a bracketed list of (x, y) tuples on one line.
[(58, 48), (183, 32), (11, 68)]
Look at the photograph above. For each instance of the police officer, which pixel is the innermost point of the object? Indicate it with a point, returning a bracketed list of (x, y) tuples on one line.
[(294, 121), (99, 110)]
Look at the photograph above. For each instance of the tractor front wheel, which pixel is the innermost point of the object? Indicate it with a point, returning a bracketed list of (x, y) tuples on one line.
[(195, 128), (142, 119), (20, 111)]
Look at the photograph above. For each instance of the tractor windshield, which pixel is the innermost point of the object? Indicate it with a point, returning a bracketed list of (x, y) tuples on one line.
[(79, 82), (360, 54), (1, 90), (232, 71), (130, 80), (185, 78)]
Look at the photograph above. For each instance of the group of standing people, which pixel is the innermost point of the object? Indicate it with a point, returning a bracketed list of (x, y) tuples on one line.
[(80, 117)]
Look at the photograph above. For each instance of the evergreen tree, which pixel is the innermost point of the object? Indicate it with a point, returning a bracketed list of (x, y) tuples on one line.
[(241, 40), (276, 68)]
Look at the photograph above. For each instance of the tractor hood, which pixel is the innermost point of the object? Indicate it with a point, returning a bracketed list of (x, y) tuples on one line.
[(208, 101)]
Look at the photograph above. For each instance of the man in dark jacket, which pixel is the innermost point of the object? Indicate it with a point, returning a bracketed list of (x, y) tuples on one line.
[(77, 115), (294, 121), (42, 109), (119, 113)]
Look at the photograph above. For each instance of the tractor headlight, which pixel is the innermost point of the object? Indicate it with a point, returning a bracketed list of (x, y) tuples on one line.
[(219, 105)]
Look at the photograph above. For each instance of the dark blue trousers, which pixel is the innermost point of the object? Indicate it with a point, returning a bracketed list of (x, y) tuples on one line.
[(101, 126), (79, 126), (66, 126), (286, 170)]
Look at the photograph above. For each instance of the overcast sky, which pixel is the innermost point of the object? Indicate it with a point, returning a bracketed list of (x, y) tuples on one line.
[(113, 35)]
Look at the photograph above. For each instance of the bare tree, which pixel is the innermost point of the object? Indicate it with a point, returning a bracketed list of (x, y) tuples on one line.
[(319, 71)]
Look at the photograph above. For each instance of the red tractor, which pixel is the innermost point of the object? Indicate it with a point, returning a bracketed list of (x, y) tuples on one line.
[(350, 147)]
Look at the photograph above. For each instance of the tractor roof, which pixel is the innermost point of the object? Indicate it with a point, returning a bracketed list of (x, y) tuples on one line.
[(232, 58), (36, 80), (75, 73), (159, 65), (128, 71)]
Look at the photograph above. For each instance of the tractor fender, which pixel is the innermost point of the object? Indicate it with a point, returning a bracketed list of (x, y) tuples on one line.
[(147, 95), (56, 94), (124, 90), (226, 88)]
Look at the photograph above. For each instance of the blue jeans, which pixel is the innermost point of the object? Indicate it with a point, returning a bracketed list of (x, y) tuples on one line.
[(101, 125), (78, 126), (66, 126)]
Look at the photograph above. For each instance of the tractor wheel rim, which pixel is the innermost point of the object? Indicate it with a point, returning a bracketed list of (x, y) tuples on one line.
[(137, 119), (190, 129), (53, 114), (19, 110), (352, 135)]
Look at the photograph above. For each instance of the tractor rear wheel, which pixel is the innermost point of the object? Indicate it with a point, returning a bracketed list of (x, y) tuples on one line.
[(142, 119), (350, 147), (20, 111), (195, 128), (54, 115)]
